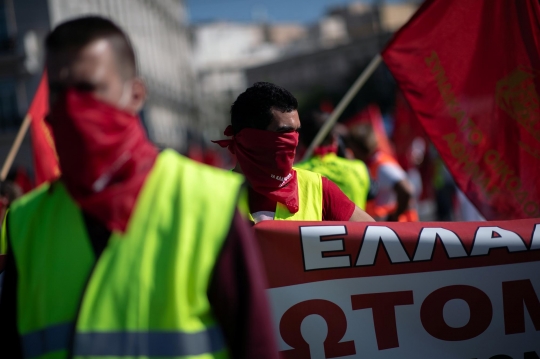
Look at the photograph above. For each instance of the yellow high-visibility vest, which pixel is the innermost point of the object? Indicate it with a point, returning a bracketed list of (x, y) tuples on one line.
[(146, 295)]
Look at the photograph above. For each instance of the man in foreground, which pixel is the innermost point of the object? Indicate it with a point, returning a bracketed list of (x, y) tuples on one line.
[(132, 252), (264, 129)]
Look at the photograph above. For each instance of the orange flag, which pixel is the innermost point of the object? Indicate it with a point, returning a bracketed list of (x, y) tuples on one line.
[(45, 159)]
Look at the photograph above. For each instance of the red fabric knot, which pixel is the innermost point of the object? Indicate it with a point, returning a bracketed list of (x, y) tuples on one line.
[(229, 144)]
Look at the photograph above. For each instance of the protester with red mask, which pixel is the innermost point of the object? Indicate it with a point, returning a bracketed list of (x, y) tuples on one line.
[(264, 129), (131, 252), (394, 199)]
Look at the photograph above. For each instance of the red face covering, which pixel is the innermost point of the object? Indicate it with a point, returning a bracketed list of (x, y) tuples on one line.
[(266, 158), (104, 156)]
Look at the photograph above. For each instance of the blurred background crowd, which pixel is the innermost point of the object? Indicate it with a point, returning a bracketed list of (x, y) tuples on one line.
[(197, 56)]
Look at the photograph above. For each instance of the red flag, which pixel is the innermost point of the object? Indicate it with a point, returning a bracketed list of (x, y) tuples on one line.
[(372, 114), (45, 159), (471, 72)]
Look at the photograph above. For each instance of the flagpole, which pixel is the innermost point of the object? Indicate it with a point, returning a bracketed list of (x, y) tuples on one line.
[(360, 81), (15, 147)]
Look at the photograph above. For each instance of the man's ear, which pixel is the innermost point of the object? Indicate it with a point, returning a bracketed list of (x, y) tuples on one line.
[(138, 95)]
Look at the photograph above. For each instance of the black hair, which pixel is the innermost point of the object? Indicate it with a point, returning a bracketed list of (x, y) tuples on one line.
[(363, 137), (75, 34), (253, 108)]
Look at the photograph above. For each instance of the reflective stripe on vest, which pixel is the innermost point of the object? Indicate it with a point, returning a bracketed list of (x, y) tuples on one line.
[(147, 293), (153, 344), (310, 196), (57, 337), (47, 340)]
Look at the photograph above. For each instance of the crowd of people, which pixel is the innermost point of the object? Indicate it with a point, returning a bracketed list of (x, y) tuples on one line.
[(141, 252)]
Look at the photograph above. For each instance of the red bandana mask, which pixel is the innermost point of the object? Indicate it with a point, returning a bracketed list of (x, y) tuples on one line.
[(266, 158), (104, 156)]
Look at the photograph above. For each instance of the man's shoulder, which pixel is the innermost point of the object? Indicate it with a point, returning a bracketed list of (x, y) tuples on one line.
[(391, 172)]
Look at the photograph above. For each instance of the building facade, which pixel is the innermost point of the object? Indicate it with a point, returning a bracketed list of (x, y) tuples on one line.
[(335, 50), (222, 52)]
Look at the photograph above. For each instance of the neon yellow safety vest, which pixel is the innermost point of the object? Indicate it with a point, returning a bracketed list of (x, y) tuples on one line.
[(146, 296), (310, 197), (351, 176)]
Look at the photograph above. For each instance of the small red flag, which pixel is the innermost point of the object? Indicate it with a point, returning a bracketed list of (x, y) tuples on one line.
[(471, 72), (46, 166)]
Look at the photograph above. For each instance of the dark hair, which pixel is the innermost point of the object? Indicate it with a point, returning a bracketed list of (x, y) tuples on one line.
[(75, 34), (363, 137), (253, 108)]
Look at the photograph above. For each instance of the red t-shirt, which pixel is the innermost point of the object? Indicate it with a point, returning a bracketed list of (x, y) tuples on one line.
[(336, 205)]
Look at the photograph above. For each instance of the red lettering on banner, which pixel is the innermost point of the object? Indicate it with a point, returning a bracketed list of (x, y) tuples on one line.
[(516, 296), (291, 321), (481, 312), (384, 315)]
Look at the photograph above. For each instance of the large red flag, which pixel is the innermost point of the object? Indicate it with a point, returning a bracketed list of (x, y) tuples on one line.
[(45, 159), (471, 72)]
